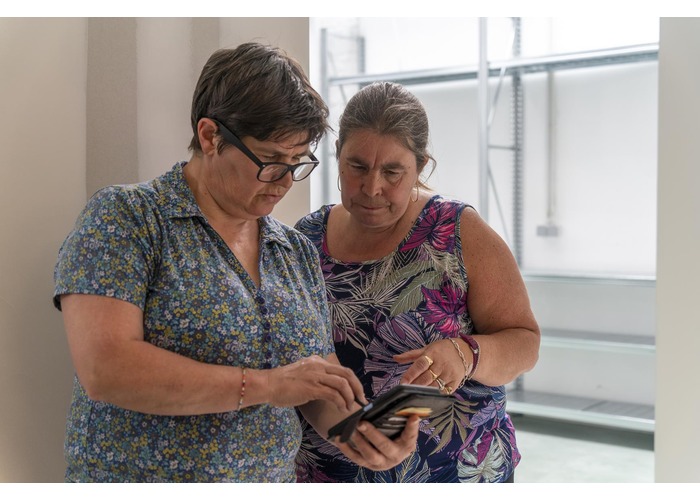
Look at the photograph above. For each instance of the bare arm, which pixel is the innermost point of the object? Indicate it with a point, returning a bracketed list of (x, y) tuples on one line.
[(498, 303), (504, 325), (115, 364)]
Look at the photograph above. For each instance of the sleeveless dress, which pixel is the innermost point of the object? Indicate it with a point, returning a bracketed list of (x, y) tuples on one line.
[(406, 300)]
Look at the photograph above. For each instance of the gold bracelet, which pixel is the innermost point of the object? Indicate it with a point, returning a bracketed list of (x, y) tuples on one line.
[(464, 362)]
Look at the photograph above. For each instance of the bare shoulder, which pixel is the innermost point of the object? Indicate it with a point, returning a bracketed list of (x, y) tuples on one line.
[(479, 240), (498, 297), (472, 221), (491, 267)]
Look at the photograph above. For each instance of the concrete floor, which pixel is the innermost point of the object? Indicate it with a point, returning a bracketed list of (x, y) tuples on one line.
[(561, 452)]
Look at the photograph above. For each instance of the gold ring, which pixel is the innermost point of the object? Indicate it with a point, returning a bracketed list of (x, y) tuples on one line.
[(435, 377), (430, 361), (448, 389), (440, 383)]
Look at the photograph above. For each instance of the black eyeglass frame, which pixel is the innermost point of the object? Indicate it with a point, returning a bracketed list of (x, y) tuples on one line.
[(233, 139)]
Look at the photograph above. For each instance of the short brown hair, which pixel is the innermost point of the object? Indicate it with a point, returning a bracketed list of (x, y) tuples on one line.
[(258, 90)]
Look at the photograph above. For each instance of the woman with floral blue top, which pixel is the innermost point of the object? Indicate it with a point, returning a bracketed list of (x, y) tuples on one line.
[(196, 322), (421, 290)]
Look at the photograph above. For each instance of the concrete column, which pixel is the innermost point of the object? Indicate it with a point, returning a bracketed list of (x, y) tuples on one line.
[(291, 34), (112, 146), (678, 265)]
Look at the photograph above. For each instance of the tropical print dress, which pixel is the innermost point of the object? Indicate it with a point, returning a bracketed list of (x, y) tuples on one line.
[(406, 300)]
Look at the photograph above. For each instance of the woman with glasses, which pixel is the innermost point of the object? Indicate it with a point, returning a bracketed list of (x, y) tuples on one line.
[(421, 291), (196, 322)]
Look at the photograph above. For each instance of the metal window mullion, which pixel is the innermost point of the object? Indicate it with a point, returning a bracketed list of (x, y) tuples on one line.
[(483, 114), (325, 94), (517, 111)]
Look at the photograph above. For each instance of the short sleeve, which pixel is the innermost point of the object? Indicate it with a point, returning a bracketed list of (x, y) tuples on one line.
[(111, 250)]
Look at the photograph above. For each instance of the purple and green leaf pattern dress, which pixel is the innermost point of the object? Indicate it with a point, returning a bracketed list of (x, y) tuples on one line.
[(414, 296)]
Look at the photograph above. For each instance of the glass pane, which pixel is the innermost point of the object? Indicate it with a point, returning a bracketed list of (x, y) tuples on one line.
[(588, 134)]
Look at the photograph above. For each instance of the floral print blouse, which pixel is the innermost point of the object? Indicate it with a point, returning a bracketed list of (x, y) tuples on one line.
[(149, 244), (406, 300)]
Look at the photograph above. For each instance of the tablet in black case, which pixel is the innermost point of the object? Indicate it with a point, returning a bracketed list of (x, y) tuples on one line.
[(390, 411)]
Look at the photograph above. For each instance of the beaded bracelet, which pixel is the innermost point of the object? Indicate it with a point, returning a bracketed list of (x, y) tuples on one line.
[(464, 362), (240, 401), (476, 353)]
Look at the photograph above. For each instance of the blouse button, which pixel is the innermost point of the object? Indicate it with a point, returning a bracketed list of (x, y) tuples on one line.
[(267, 325), (259, 300), (263, 310)]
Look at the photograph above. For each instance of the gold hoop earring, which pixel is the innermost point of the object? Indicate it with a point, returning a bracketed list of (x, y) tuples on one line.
[(417, 194)]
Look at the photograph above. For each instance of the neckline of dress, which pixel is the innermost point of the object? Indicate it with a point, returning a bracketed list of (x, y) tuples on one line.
[(324, 244)]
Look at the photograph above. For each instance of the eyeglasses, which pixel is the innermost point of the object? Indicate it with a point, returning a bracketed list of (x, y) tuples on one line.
[(271, 171)]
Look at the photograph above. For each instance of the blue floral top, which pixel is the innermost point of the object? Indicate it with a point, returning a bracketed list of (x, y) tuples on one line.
[(149, 244), (406, 300)]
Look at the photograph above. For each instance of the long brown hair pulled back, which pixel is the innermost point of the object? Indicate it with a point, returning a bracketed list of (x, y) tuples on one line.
[(389, 109)]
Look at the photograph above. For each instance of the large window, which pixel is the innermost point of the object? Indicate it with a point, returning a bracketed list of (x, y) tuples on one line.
[(578, 197)]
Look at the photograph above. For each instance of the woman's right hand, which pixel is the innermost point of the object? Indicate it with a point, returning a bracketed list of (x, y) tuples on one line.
[(314, 378), (370, 448)]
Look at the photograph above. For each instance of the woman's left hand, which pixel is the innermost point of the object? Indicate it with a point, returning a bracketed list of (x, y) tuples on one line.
[(370, 448), (437, 364)]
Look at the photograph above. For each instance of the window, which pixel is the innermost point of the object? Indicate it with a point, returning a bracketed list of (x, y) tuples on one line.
[(584, 202)]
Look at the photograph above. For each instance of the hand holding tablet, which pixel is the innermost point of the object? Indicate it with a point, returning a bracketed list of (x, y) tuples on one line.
[(390, 411)]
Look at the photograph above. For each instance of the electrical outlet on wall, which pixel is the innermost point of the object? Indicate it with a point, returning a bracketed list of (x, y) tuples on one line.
[(547, 230)]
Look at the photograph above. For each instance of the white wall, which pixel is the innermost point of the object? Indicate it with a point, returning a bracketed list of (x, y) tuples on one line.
[(678, 270), (85, 103), (163, 58), (605, 195), (627, 309), (291, 33), (167, 74), (42, 189)]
